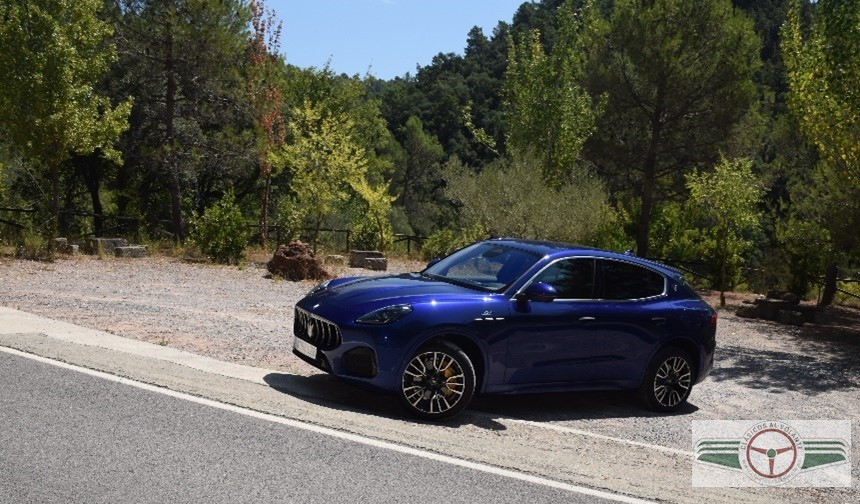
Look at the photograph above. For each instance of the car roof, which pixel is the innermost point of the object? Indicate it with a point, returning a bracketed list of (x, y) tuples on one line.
[(557, 249)]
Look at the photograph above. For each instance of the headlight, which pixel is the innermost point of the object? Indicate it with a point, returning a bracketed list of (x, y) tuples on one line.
[(321, 287), (387, 315)]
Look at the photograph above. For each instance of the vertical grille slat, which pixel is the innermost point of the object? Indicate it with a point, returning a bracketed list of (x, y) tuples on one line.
[(323, 333)]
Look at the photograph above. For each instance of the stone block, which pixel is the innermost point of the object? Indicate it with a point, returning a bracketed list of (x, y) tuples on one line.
[(792, 299), (790, 317), (769, 308), (335, 259), (106, 245), (133, 251), (357, 257), (748, 311), (62, 246), (376, 264)]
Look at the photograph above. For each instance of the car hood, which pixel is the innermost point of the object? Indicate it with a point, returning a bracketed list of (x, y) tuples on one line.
[(366, 294)]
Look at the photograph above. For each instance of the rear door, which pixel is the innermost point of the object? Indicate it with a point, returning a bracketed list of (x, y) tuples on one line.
[(631, 316)]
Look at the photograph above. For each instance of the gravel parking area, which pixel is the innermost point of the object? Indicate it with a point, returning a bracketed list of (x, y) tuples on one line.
[(764, 370)]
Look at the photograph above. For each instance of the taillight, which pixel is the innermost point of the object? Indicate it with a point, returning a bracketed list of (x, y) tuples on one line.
[(714, 319)]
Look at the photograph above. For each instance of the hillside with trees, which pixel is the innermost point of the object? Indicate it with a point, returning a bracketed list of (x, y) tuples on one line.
[(722, 136)]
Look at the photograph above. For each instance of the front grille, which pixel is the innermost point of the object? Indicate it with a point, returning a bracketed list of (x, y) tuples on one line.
[(324, 334)]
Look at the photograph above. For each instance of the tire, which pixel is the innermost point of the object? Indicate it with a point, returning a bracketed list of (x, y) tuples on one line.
[(668, 380), (437, 382)]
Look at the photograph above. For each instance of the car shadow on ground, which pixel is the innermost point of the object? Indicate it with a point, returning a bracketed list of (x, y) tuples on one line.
[(569, 406), (330, 392)]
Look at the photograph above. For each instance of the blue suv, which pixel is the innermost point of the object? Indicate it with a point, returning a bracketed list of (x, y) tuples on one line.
[(508, 316)]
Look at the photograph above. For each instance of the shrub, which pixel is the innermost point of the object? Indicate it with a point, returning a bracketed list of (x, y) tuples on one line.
[(221, 232), (510, 198), (445, 241)]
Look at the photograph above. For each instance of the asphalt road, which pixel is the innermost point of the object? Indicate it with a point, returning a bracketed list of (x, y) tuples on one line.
[(70, 437)]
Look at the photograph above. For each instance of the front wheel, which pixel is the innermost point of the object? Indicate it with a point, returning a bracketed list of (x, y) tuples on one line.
[(668, 380), (437, 382)]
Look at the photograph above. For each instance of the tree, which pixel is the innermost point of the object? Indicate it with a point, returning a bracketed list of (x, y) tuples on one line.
[(52, 55), (373, 226), (325, 162), (725, 204), (824, 78), (418, 181), (264, 74), (181, 60), (678, 76), (550, 113)]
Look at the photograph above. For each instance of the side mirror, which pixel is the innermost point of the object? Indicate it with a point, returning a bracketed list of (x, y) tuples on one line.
[(433, 262), (541, 292)]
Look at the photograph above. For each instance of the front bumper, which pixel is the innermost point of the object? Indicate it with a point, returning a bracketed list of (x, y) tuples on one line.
[(364, 354)]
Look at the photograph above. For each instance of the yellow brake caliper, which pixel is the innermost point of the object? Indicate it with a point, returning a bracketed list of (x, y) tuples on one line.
[(448, 373)]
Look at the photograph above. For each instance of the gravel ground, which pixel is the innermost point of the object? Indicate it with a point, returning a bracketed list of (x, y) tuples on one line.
[(764, 370)]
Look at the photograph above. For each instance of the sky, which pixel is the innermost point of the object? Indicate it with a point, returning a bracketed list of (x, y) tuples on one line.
[(386, 38)]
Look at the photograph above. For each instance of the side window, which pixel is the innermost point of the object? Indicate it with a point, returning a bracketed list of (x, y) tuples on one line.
[(623, 280), (572, 278)]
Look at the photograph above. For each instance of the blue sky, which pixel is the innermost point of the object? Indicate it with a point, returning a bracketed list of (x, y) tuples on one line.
[(386, 37)]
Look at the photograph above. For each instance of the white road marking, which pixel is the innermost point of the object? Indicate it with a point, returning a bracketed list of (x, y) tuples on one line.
[(296, 424)]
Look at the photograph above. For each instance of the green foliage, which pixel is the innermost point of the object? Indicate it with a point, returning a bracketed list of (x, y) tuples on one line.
[(805, 246), (372, 228), (221, 232), (550, 114), (289, 216), (511, 198), (325, 162), (190, 137), (52, 55), (678, 76), (447, 240), (725, 205), (824, 76), (263, 82), (417, 180)]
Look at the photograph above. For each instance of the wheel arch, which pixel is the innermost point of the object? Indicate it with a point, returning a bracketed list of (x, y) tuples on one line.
[(472, 350), (684, 344)]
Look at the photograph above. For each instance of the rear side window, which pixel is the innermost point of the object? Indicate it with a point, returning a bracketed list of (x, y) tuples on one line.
[(623, 280), (571, 278)]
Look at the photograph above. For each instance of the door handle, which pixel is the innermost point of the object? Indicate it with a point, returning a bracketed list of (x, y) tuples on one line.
[(586, 319), (659, 320)]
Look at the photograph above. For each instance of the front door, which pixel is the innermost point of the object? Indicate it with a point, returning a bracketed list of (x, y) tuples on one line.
[(553, 342)]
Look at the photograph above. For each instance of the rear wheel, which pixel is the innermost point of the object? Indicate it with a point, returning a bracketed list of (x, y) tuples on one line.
[(437, 382), (668, 380)]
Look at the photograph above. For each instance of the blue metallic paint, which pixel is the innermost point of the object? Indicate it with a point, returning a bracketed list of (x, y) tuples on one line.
[(524, 346)]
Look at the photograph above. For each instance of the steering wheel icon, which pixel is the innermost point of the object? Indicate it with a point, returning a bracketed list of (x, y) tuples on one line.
[(771, 443)]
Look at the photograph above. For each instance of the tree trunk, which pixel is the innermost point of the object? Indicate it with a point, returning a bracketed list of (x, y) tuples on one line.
[(266, 172), (830, 276), (644, 216), (170, 114), (648, 174), (53, 227), (90, 170)]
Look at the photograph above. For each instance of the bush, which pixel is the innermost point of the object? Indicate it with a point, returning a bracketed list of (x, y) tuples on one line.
[(806, 246), (445, 241), (221, 232), (510, 198)]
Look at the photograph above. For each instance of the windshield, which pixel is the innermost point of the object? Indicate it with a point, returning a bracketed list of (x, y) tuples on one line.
[(487, 266)]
